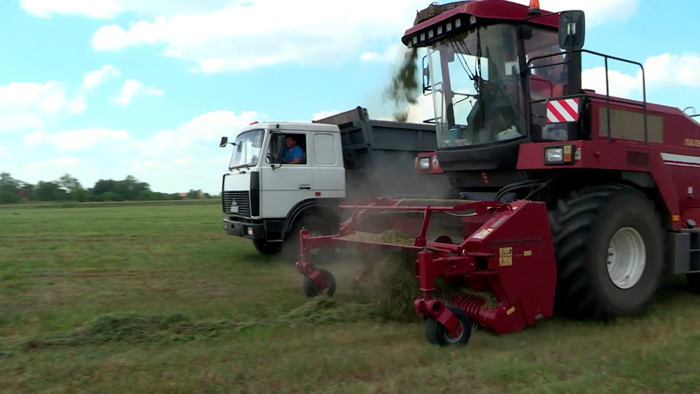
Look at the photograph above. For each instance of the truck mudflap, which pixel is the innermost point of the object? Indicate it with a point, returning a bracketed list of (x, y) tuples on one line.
[(503, 274)]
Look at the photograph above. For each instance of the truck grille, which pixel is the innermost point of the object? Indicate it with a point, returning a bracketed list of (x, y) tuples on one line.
[(242, 200)]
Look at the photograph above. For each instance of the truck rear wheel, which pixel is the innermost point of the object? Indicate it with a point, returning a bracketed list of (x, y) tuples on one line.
[(316, 225), (609, 245)]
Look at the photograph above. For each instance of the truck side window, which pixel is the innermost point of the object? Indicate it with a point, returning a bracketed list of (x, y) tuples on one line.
[(324, 150), (288, 149)]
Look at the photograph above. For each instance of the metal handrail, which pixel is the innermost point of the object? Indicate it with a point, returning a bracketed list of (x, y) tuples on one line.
[(607, 85)]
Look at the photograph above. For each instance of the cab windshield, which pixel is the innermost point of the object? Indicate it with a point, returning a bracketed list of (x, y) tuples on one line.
[(246, 151), (475, 79)]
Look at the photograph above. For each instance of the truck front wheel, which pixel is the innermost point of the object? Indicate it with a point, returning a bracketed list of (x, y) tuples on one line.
[(609, 250), (267, 248)]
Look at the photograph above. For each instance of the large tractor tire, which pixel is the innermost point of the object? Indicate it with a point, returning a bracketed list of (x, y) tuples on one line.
[(609, 246)]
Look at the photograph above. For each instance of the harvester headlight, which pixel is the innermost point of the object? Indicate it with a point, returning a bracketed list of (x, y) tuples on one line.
[(554, 155), (559, 154), (424, 164)]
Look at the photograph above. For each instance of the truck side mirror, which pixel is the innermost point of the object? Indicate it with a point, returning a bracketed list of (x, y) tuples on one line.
[(224, 141), (426, 76), (572, 30)]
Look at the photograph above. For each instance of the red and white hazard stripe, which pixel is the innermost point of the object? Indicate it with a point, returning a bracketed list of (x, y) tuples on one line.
[(563, 111)]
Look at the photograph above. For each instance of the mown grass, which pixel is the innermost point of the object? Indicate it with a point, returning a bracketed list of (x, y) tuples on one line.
[(157, 299)]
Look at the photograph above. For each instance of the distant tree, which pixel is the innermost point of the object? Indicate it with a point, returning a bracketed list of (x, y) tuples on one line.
[(69, 183), (9, 189), (68, 187), (79, 194), (6, 179), (49, 191), (103, 186), (194, 193)]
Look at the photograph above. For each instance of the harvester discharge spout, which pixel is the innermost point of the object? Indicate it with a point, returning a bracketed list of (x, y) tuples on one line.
[(501, 277)]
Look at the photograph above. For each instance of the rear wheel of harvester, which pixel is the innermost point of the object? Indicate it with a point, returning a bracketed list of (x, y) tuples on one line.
[(437, 334), (609, 250)]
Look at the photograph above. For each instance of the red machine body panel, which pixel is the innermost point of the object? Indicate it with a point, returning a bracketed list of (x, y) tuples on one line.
[(671, 156), (488, 9)]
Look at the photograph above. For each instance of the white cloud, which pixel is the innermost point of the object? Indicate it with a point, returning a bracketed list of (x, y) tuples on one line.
[(293, 32), (2, 150), (391, 55), (91, 81), (33, 105), (78, 140), (663, 71), (185, 157), (133, 88), (189, 156), (108, 9), (63, 162), (28, 105), (203, 131), (597, 11), (94, 79), (215, 35)]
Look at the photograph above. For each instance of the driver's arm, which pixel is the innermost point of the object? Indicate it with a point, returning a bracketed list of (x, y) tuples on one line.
[(297, 154)]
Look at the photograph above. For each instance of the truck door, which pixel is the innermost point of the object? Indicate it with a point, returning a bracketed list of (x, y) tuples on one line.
[(286, 184), (328, 169)]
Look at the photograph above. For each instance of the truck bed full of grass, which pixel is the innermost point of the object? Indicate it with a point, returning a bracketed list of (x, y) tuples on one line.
[(158, 299)]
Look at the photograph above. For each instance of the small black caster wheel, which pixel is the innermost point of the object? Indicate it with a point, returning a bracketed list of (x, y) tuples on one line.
[(437, 334), (311, 290)]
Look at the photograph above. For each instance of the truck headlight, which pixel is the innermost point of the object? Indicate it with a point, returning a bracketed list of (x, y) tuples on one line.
[(424, 164), (559, 154)]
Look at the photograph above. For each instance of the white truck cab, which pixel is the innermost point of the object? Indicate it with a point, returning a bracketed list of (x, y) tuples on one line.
[(283, 176)]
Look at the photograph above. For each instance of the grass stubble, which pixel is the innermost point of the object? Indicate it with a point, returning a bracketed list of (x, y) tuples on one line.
[(163, 302)]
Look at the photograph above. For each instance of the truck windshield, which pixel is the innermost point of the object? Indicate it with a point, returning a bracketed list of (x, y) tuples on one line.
[(477, 94), (246, 152)]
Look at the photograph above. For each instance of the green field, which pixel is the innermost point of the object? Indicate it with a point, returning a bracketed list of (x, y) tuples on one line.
[(157, 299)]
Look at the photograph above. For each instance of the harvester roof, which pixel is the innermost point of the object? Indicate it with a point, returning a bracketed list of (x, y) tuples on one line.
[(482, 9)]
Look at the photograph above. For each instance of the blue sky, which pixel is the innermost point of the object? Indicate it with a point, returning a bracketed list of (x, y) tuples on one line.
[(108, 88)]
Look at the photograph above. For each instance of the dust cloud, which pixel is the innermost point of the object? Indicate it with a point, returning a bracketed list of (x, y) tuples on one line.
[(404, 88)]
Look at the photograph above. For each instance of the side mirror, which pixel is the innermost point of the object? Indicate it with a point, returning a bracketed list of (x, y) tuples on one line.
[(572, 30), (224, 141), (426, 76)]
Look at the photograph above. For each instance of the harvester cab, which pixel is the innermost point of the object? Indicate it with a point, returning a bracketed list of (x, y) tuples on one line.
[(493, 69), (570, 200)]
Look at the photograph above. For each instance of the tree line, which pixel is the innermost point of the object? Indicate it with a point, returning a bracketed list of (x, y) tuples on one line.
[(68, 188)]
